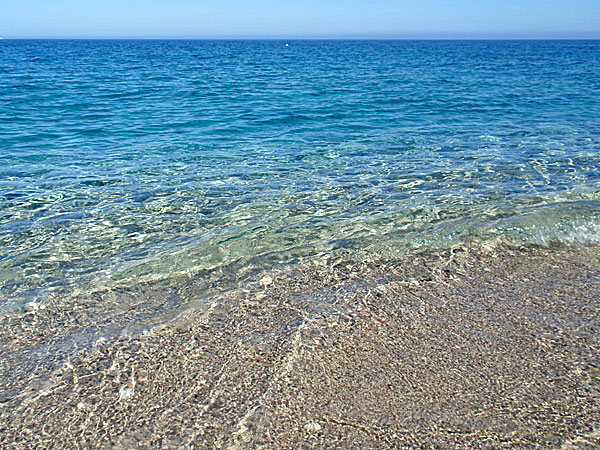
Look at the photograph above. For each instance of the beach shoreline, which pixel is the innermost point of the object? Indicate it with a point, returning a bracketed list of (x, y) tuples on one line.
[(463, 348)]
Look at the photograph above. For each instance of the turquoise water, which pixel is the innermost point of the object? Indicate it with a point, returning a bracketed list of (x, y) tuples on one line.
[(129, 161)]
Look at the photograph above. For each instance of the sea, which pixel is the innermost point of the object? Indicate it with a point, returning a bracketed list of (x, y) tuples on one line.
[(169, 163)]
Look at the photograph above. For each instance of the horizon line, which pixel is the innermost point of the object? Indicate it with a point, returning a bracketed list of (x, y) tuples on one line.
[(296, 38)]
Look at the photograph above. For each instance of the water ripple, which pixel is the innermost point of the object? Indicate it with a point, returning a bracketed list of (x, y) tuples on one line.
[(124, 161)]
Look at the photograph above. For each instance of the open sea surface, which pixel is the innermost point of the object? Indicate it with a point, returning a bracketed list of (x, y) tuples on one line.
[(124, 163)]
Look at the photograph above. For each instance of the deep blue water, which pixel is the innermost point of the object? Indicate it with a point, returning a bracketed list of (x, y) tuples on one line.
[(123, 161)]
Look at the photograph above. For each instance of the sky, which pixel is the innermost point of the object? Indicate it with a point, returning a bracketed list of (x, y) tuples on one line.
[(395, 19)]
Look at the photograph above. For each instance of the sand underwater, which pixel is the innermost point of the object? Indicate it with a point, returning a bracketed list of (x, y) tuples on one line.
[(490, 347)]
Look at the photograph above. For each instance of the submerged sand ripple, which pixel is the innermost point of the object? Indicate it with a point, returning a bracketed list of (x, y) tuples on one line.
[(462, 349)]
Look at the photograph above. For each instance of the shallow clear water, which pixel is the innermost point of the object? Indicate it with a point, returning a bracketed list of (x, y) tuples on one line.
[(123, 161)]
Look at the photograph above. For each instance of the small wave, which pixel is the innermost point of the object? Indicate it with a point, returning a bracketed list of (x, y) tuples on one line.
[(575, 234)]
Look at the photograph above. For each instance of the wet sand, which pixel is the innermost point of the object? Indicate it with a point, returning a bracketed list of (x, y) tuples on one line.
[(463, 349)]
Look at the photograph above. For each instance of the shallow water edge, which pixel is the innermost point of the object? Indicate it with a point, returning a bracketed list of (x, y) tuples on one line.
[(491, 347)]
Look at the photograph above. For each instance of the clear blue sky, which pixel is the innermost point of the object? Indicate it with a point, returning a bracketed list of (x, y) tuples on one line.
[(308, 18)]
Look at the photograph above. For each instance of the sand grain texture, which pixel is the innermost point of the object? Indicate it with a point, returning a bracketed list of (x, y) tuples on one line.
[(462, 349)]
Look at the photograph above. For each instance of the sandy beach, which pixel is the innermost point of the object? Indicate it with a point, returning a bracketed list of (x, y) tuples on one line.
[(464, 348)]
